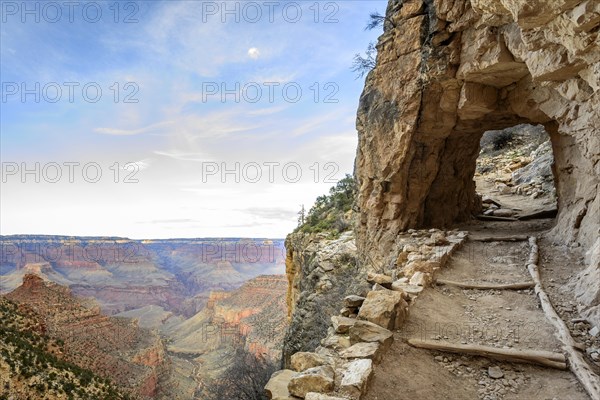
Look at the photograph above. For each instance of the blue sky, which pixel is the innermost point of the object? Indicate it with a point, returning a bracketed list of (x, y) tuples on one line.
[(188, 90)]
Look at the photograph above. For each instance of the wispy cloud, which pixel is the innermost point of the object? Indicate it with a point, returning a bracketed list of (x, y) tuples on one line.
[(270, 213), (267, 111), (129, 132), (318, 123), (139, 165), (169, 221), (198, 157)]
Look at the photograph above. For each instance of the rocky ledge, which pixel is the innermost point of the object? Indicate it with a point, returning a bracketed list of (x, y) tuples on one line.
[(356, 339)]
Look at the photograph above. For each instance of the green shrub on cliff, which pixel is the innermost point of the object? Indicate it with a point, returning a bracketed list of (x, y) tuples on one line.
[(329, 213)]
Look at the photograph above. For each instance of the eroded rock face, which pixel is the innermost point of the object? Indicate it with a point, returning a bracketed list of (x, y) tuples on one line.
[(134, 359), (447, 71), (587, 288), (312, 261)]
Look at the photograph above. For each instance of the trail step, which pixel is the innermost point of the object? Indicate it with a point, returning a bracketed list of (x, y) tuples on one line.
[(488, 286), (538, 357), (494, 218), (510, 238)]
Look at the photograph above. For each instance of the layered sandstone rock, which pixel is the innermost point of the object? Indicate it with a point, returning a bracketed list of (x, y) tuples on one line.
[(257, 309), (253, 314), (448, 70)]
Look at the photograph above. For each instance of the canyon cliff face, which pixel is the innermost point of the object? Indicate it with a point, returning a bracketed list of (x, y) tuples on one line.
[(203, 346), (320, 273), (252, 316), (257, 310), (449, 70)]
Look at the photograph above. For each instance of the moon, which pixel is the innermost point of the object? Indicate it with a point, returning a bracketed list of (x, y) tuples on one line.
[(253, 53)]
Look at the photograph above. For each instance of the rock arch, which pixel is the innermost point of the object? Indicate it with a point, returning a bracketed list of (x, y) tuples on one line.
[(448, 70)]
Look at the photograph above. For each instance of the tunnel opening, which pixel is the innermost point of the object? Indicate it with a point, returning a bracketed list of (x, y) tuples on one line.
[(514, 174)]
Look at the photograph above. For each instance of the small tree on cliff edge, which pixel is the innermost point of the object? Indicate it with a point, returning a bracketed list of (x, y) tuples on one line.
[(362, 65), (376, 20), (301, 216)]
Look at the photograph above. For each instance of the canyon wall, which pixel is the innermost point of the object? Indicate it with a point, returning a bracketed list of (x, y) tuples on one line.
[(448, 70), (252, 315), (321, 271), (257, 311), (124, 275)]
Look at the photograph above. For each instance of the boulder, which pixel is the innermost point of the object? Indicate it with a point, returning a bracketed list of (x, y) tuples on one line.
[(353, 301), (377, 286), (302, 361), (342, 324), (317, 379), (356, 377), (385, 308), (503, 212), (402, 258), (336, 342), (363, 350), (421, 279), (437, 239), (410, 248), (421, 266), (365, 331), (346, 311), (382, 279), (277, 387), (407, 288)]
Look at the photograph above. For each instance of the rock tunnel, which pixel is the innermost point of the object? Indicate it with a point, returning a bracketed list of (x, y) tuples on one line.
[(449, 70)]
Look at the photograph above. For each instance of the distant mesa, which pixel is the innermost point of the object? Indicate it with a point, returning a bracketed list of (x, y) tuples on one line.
[(37, 268)]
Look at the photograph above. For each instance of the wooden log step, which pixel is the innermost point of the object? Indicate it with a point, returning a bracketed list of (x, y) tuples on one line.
[(488, 286), (489, 200), (539, 215), (510, 238), (537, 357), (495, 218)]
